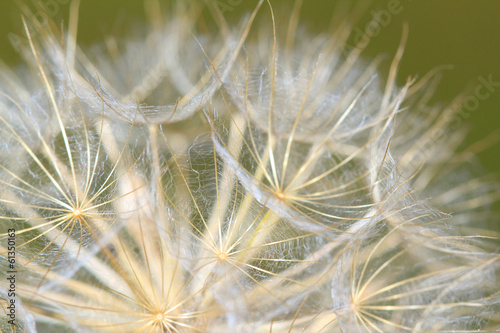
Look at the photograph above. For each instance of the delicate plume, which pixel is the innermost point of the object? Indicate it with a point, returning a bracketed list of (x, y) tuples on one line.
[(206, 178)]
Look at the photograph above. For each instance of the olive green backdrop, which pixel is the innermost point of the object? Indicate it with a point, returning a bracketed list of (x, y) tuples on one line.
[(461, 33)]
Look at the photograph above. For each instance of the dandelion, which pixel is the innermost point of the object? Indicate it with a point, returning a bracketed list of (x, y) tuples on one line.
[(183, 180), (61, 191)]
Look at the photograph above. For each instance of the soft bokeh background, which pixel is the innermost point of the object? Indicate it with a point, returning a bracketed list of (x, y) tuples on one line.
[(461, 33)]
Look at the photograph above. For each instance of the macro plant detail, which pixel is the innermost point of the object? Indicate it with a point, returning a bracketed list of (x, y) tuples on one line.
[(62, 186), (198, 177)]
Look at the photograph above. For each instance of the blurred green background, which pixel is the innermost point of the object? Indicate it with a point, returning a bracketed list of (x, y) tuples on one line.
[(461, 33)]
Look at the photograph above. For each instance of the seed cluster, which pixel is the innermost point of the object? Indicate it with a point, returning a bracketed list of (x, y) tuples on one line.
[(181, 180)]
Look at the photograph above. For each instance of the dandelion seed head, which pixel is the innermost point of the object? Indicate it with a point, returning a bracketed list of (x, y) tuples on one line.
[(232, 180)]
